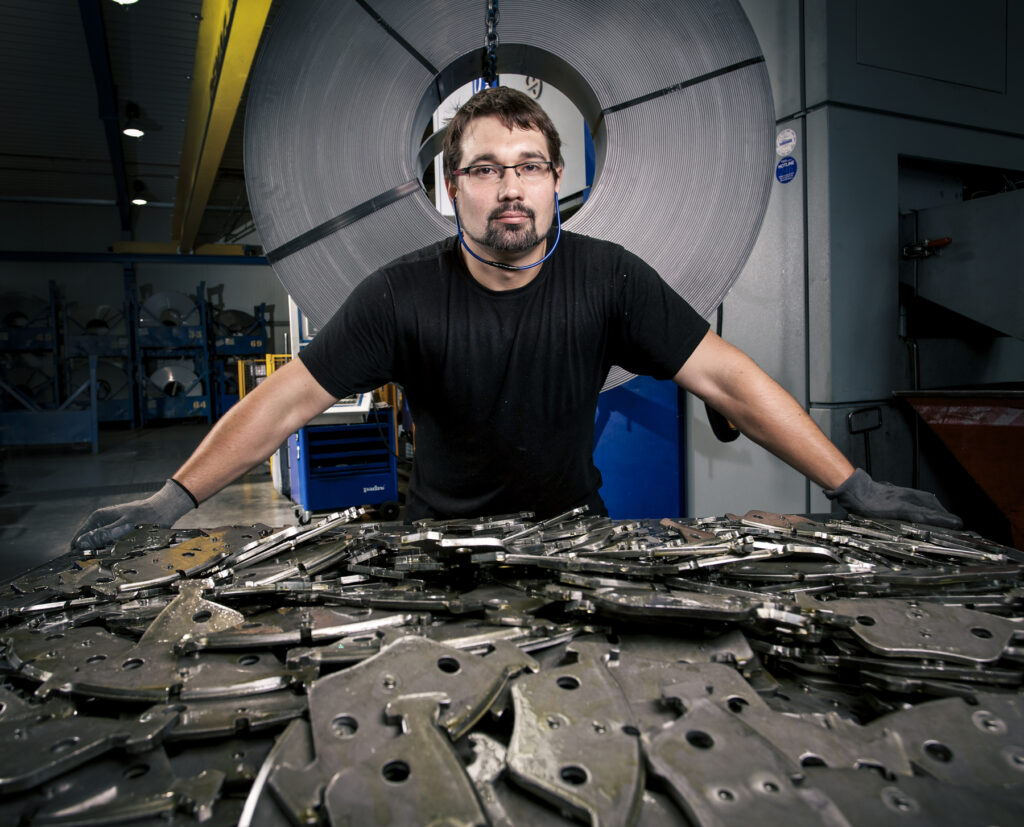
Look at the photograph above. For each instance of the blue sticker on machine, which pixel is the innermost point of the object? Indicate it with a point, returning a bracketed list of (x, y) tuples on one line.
[(785, 169)]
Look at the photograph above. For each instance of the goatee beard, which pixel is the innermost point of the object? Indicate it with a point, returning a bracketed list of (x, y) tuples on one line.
[(515, 239)]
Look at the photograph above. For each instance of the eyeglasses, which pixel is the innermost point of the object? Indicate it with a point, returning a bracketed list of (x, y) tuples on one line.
[(530, 171)]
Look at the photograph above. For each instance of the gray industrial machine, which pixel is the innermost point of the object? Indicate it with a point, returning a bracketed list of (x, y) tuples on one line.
[(896, 110)]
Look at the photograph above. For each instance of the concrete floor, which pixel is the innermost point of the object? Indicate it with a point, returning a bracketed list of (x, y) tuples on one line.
[(46, 493)]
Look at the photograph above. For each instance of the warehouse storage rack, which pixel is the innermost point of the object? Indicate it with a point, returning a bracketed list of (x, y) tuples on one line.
[(187, 341), (33, 413), (230, 345), (30, 348), (109, 348)]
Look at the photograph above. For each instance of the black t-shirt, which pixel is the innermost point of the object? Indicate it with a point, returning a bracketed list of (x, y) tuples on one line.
[(503, 386)]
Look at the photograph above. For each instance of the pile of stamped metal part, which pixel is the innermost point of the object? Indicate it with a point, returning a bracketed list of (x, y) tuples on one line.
[(748, 669)]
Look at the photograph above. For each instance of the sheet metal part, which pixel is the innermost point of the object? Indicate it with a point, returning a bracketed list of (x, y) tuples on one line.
[(421, 688), (718, 774), (130, 789), (501, 671), (46, 749), (573, 740), (420, 763)]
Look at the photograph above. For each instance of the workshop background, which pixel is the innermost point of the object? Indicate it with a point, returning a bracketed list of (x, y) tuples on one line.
[(899, 126)]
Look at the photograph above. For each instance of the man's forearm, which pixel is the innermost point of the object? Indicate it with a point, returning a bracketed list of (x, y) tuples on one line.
[(732, 383), (789, 433), (239, 441), (253, 429)]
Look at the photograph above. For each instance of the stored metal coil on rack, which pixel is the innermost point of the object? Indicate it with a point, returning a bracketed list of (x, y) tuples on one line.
[(20, 309), (168, 309), (113, 381), (98, 320), (174, 380), (231, 321)]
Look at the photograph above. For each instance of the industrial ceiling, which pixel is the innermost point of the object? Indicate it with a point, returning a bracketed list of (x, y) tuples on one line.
[(72, 70)]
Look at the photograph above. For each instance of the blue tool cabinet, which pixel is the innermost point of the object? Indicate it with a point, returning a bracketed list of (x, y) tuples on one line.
[(333, 467)]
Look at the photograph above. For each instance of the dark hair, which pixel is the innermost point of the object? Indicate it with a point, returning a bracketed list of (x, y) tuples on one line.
[(513, 108)]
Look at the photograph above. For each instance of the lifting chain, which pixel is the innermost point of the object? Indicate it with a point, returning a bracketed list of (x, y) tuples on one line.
[(490, 73)]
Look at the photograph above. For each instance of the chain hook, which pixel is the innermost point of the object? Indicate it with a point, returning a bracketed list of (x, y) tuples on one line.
[(490, 74)]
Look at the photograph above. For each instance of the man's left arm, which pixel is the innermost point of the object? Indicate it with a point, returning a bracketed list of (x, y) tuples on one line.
[(732, 383)]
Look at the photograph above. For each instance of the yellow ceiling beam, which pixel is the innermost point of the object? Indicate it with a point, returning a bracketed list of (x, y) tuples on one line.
[(229, 33)]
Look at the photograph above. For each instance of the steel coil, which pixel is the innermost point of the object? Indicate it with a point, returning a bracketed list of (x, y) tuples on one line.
[(676, 95)]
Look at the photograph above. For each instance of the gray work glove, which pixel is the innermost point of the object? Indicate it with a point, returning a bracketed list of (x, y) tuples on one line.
[(106, 525), (862, 495)]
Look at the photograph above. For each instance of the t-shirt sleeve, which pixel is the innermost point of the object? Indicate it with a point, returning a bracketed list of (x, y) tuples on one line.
[(656, 329), (354, 351)]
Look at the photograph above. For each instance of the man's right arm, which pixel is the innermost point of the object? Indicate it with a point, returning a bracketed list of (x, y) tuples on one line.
[(253, 429), (249, 433)]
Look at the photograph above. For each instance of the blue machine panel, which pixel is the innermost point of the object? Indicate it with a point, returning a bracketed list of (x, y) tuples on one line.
[(638, 447)]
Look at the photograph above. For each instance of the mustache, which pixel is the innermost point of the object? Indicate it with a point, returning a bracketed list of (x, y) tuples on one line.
[(521, 209)]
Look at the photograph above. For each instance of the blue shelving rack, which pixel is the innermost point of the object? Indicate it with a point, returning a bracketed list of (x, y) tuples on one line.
[(115, 401), (37, 416), (36, 334), (228, 347), (188, 340)]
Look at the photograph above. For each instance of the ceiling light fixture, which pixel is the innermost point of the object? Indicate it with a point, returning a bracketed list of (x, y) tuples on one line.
[(140, 197), (132, 126), (126, 2)]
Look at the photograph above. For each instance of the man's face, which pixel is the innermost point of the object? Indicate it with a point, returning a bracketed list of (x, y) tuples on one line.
[(512, 215)]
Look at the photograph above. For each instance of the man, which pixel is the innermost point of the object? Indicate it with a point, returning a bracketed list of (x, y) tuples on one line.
[(502, 337)]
